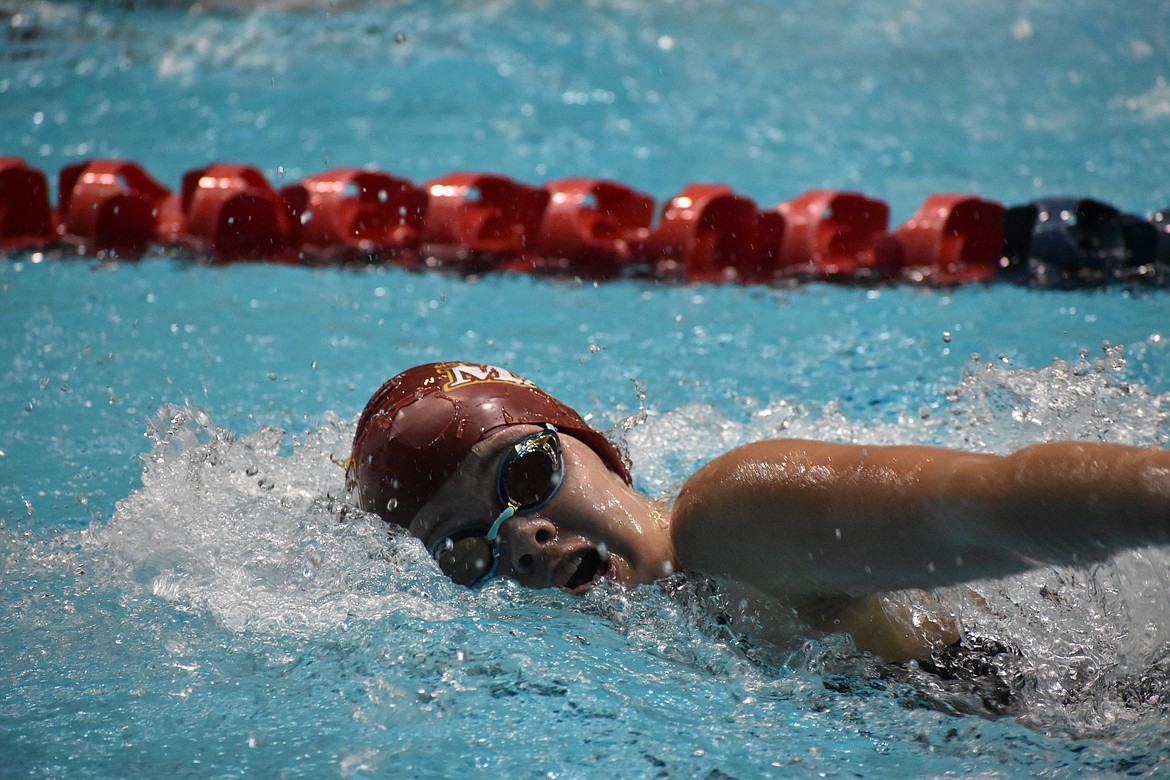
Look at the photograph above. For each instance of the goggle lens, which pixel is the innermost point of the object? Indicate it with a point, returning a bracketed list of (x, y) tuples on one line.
[(467, 560), (530, 475)]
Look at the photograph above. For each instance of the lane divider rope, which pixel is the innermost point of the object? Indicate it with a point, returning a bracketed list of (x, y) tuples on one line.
[(580, 227)]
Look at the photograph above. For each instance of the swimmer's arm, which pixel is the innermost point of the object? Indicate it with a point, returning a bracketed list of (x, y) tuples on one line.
[(803, 519)]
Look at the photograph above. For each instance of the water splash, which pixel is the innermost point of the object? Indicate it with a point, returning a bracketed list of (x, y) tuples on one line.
[(257, 534), (999, 408), (260, 540), (1083, 650), (994, 407)]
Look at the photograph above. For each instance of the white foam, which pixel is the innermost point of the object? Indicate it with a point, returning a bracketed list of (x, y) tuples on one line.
[(994, 407), (258, 533), (1088, 639), (260, 539)]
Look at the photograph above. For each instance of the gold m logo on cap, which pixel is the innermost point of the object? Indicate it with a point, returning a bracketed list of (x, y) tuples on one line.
[(463, 374)]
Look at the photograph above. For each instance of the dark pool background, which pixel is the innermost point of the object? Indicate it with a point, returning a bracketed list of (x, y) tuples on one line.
[(200, 600)]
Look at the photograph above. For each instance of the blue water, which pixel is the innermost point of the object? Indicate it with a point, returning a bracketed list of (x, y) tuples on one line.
[(203, 600)]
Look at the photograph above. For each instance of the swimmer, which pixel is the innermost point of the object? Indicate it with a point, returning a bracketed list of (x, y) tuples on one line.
[(499, 479)]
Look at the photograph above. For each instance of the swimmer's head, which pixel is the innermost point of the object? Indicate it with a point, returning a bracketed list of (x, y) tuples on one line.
[(420, 425)]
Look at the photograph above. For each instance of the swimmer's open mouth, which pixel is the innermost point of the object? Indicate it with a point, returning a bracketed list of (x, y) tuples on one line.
[(590, 566)]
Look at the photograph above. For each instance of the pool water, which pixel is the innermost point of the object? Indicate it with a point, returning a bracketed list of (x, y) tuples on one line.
[(188, 589)]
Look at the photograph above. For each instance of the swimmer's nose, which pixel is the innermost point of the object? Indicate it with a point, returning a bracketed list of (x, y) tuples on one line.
[(528, 540)]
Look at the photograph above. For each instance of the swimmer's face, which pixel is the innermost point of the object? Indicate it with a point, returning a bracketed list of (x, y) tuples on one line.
[(594, 526)]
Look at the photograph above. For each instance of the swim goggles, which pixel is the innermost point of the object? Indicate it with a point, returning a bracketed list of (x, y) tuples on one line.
[(531, 472)]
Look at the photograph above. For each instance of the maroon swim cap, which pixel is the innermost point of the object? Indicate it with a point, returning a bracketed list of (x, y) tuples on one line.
[(419, 425)]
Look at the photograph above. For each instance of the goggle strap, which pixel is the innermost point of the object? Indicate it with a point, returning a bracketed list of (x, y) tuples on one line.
[(494, 531)]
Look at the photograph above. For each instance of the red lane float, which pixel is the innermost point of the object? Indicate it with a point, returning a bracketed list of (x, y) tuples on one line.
[(592, 228), (952, 239), (26, 218), (478, 221), (831, 234), (708, 233), (230, 212), (110, 205), (349, 214), (584, 227)]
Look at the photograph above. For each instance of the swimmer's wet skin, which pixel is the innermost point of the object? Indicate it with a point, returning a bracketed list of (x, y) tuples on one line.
[(498, 478), (440, 450)]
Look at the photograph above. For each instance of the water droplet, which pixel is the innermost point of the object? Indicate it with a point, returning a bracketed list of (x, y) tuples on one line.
[(946, 337)]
